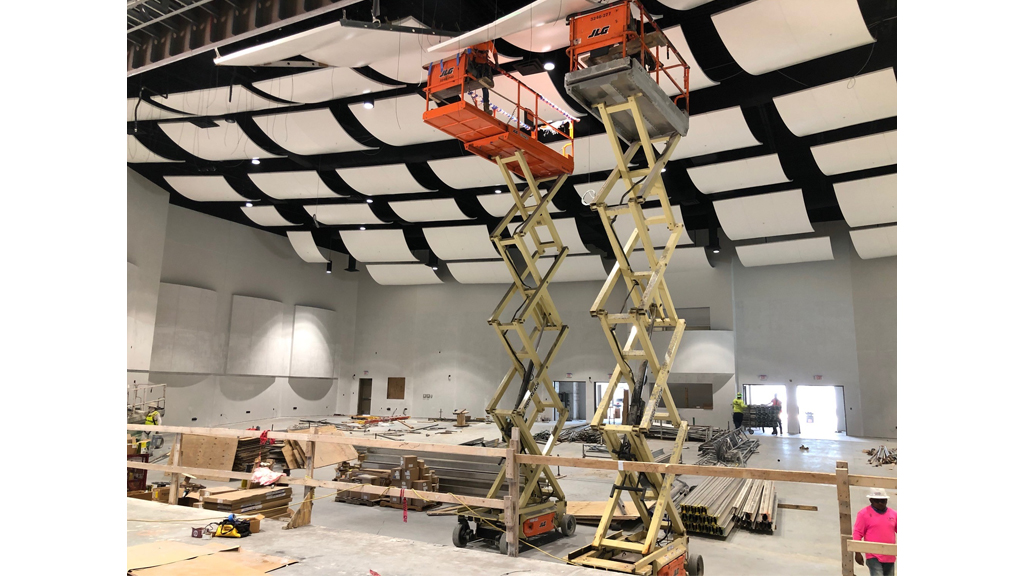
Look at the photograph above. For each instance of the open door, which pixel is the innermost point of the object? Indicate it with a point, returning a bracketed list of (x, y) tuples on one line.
[(365, 395)]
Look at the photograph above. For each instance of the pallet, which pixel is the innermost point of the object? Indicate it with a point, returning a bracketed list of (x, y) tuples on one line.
[(420, 508), (360, 501)]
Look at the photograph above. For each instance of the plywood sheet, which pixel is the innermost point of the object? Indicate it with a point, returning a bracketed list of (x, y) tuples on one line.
[(331, 454), (308, 132), (256, 560), (220, 564), (208, 452)]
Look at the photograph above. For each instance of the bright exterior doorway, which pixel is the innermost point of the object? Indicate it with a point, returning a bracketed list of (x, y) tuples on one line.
[(821, 411)]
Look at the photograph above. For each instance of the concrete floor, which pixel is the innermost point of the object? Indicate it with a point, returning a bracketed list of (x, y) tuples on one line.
[(805, 543)]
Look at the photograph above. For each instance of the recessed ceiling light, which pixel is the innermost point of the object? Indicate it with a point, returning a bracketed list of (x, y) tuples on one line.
[(367, 91), (663, 170), (716, 250), (433, 267), (248, 204), (497, 191), (549, 65), (255, 160), (362, 227), (329, 266), (368, 103), (369, 200)]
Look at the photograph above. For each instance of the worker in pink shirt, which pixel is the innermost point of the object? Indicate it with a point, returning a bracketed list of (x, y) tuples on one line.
[(877, 523)]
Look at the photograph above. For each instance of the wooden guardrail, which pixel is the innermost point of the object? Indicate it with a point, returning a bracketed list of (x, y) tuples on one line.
[(841, 478)]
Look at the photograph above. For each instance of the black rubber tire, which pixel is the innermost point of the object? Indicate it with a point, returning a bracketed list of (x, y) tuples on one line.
[(460, 536), (503, 545), (568, 525), (158, 442), (695, 565)]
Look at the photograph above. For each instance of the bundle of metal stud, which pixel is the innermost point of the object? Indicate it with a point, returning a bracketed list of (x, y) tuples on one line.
[(759, 510), (711, 507), (703, 433), (881, 455), (582, 433), (729, 448)]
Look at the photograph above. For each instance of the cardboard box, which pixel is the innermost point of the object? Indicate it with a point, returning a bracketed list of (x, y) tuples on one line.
[(254, 522), (411, 474), (396, 500), (141, 494), (396, 473), (162, 494), (421, 485), (409, 461), (208, 492)]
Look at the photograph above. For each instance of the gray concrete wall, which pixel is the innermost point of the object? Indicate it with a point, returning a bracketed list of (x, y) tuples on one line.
[(147, 224), (874, 317)]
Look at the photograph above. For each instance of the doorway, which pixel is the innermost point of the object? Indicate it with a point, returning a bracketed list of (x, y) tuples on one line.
[(764, 394), (614, 414), (574, 397), (822, 411), (365, 395)]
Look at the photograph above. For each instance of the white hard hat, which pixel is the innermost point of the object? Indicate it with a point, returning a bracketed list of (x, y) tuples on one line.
[(878, 494)]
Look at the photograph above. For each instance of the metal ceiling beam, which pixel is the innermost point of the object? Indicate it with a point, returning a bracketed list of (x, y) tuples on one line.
[(168, 15)]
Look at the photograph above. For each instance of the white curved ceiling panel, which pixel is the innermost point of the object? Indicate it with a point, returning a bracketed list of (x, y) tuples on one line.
[(224, 142), (775, 214), (204, 188), (402, 274), (590, 153), (498, 205), (624, 226), (380, 180), (266, 216), (433, 210), (492, 272), (575, 268), (300, 185), (568, 233), (377, 245), (844, 103), (683, 4), (698, 79), (398, 121), (688, 258), (308, 132), (138, 153), (343, 214), (407, 55), (506, 91), (461, 242), (542, 38), (467, 172), (874, 242), (306, 247), (146, 111), (767, 35), (746, 173), (856, 154), (217, 101), (534, 15), (868, 201), (320, 85), (787, 252), (713, 132)]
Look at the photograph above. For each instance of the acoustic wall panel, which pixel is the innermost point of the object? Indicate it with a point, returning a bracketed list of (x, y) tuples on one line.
[(746, 173), (343, 214), (432, 210), (461, 242), (308, 132), (775, 214), (714, 132), (377, 245), (844, 103), (874, 242), (402, 274), (266, 216), (204, 188), (226, 141), (868, 201), (380, 180), (767, 35), (492, 272), (788, 252), (398, 121), (304, 245), (185, 338), (856, 154), (320, 85), (299, 185), (259, 339), (314, 332)]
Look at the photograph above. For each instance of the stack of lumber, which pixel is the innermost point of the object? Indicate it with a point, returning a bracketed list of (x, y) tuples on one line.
[(456, 473), (271, 501), (759, 510), (412, 474), (718, 505), (881, 455)]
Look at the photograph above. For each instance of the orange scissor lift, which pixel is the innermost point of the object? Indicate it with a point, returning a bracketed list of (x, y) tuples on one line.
[(461, 87), (620, 59)]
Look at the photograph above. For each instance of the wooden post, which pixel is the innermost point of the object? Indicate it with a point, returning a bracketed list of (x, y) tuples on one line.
[(303, 516), (512, 500), (625, 406), (845, 521), (175, 460)]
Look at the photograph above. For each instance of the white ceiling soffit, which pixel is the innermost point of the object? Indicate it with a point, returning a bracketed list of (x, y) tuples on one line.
[(467, 172), (698, 79), (624, 226), (713, 132), (204, 188), (306, 247), (868, 201), (590, 153), (543, 38), (856, 154), (377, 245), (498, 205), (534, 15), (844, 103), (688, 258), (493, 272), (788, 252), (428, 210), (320, 85), (402, 274), (575, 268), (138, 153), (775, 214), (378, 180), (343, 214), (225, 142), (746, 173), (266, 216), (147, 111), (568, 233), (767, 35), (874, 242), (308, 132), (398, 121), (683, 4), (300, 185), (217, 101), (506, 90), (461, 242)]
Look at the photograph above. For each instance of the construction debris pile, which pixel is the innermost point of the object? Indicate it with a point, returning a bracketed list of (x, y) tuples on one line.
[(881, 456), (718, 505), (703, 433), (582, 433), (411, 474), (727, 448)]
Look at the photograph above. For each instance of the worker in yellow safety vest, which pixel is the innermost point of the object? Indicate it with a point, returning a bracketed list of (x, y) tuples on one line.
[(152, 419), (737, 410)]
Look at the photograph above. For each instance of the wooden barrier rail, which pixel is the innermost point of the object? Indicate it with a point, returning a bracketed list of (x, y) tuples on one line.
[(841, 479)]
